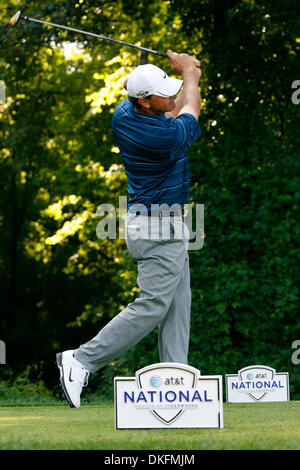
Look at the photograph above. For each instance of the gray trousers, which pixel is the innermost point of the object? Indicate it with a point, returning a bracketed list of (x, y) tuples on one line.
[(159, 245)]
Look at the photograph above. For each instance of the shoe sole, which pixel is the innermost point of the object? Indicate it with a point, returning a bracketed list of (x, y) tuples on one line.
[(60, 366)]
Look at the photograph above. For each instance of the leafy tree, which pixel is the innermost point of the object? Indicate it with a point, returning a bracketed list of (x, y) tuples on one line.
[(59, 282)]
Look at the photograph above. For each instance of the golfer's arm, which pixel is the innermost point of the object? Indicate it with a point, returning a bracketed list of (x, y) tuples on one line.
[(191, 95), (189, 99)]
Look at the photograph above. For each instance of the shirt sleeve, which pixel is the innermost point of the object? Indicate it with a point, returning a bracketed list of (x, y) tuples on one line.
[(187, 132)]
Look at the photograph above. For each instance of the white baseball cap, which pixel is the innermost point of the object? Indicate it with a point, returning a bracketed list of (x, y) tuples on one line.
[(148, 80)]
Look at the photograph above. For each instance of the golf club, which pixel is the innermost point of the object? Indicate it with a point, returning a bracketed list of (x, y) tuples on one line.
[(14, 20)]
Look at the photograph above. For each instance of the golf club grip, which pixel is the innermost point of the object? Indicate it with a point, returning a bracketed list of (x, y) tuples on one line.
[(162, 54)]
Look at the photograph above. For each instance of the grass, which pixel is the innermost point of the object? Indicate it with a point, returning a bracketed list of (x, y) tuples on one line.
[(249, 426)]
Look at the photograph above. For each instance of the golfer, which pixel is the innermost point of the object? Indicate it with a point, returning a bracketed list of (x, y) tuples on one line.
[(153, 129)]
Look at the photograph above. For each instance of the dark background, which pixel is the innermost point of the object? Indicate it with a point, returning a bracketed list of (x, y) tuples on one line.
[(59, 283)]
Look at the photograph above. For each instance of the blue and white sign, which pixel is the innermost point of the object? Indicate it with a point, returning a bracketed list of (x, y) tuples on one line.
[(257, 383), (168, 395)]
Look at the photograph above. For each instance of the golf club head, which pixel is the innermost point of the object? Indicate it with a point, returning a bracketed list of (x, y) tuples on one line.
[(14, 20)]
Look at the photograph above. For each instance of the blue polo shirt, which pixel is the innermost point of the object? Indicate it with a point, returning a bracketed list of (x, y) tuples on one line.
[(153, 150)]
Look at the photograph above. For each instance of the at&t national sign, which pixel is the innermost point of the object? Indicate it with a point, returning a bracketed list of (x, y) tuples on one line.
[(168, 395), (257, 383)]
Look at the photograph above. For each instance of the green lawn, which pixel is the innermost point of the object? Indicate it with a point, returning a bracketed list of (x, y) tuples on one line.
[(249, 426)]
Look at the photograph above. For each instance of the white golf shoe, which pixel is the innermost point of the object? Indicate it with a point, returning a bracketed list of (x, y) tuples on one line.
[(73, 376)]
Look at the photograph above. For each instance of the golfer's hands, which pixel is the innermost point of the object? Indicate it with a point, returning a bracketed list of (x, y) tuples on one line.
[(181, 63), (189, 99)]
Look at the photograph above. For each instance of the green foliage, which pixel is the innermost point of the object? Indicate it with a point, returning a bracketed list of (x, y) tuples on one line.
[(60, 283), (24, 388)]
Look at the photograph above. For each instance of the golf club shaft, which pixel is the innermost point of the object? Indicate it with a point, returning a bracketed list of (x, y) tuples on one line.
[(55, 25)]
